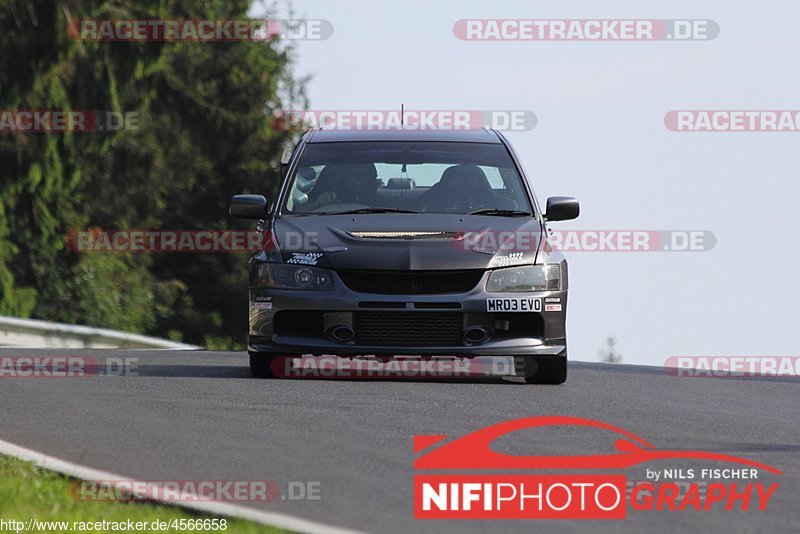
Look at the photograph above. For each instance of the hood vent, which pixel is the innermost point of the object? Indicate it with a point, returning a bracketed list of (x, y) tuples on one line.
[(409, 235)]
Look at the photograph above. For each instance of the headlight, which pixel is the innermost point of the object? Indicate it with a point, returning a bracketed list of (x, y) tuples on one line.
[(526, 278), (280, 276)]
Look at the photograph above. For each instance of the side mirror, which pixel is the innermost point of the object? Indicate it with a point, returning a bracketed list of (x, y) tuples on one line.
[(562, 209), (248, 206)]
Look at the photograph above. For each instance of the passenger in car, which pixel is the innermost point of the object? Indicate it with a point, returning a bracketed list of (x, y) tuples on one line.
[(462, 188)]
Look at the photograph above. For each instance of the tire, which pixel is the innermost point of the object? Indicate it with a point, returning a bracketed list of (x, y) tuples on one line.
[(546, 370), (260, 365)]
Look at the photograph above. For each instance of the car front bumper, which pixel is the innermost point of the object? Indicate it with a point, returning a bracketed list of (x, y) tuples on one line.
[(305, 328)]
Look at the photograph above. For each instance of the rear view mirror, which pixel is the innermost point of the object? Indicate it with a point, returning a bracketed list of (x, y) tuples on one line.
[(562, 209), (248, 206)]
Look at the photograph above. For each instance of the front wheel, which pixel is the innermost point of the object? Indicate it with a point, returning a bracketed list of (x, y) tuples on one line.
[(546, 370)]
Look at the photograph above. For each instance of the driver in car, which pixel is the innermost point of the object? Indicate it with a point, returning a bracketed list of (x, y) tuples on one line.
[(345, 184)]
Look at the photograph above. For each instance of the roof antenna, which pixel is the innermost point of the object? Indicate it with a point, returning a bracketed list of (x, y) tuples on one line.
[(404, 169)]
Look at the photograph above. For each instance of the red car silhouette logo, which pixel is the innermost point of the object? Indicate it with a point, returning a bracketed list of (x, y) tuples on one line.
[(473, 451)]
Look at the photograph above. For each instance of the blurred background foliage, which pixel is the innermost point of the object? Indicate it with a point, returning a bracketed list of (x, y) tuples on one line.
[(203, 136)]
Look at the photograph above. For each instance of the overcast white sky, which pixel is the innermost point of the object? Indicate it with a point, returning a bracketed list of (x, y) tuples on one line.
[(601, 138)]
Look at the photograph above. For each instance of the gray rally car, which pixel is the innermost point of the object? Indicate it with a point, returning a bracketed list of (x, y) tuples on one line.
[(396, 243)]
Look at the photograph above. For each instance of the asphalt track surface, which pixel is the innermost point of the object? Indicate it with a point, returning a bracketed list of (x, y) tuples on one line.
[(199, 416)]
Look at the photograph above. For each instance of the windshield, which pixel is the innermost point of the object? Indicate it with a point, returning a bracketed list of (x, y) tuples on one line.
[(422, 177)]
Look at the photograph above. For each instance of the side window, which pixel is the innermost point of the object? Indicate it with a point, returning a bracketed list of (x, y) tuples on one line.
[(304, 182)]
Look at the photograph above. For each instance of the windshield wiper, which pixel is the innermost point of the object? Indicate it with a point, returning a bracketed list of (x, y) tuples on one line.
[(371, 210), (501, 213)]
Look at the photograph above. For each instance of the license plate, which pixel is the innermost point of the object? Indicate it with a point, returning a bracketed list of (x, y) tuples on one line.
[(514, 305)]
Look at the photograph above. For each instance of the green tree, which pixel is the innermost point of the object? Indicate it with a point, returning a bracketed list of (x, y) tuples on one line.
[(202, 137)]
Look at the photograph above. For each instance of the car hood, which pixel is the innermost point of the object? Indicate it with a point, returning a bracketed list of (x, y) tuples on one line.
[(407, 241)]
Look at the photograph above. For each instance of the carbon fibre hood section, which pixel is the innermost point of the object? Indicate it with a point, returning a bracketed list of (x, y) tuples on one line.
[(407, 241)]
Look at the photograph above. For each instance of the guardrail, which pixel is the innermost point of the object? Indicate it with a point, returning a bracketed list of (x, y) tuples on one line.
[(45, 334)]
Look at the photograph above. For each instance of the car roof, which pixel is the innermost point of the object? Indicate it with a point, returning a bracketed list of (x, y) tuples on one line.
[(482, 135)]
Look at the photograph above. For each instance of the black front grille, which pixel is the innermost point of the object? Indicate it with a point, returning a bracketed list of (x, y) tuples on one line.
[(410, 282), (404, 329), (298, 323)]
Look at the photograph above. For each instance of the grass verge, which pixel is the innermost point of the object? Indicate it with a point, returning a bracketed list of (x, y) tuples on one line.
[(28, 492)]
